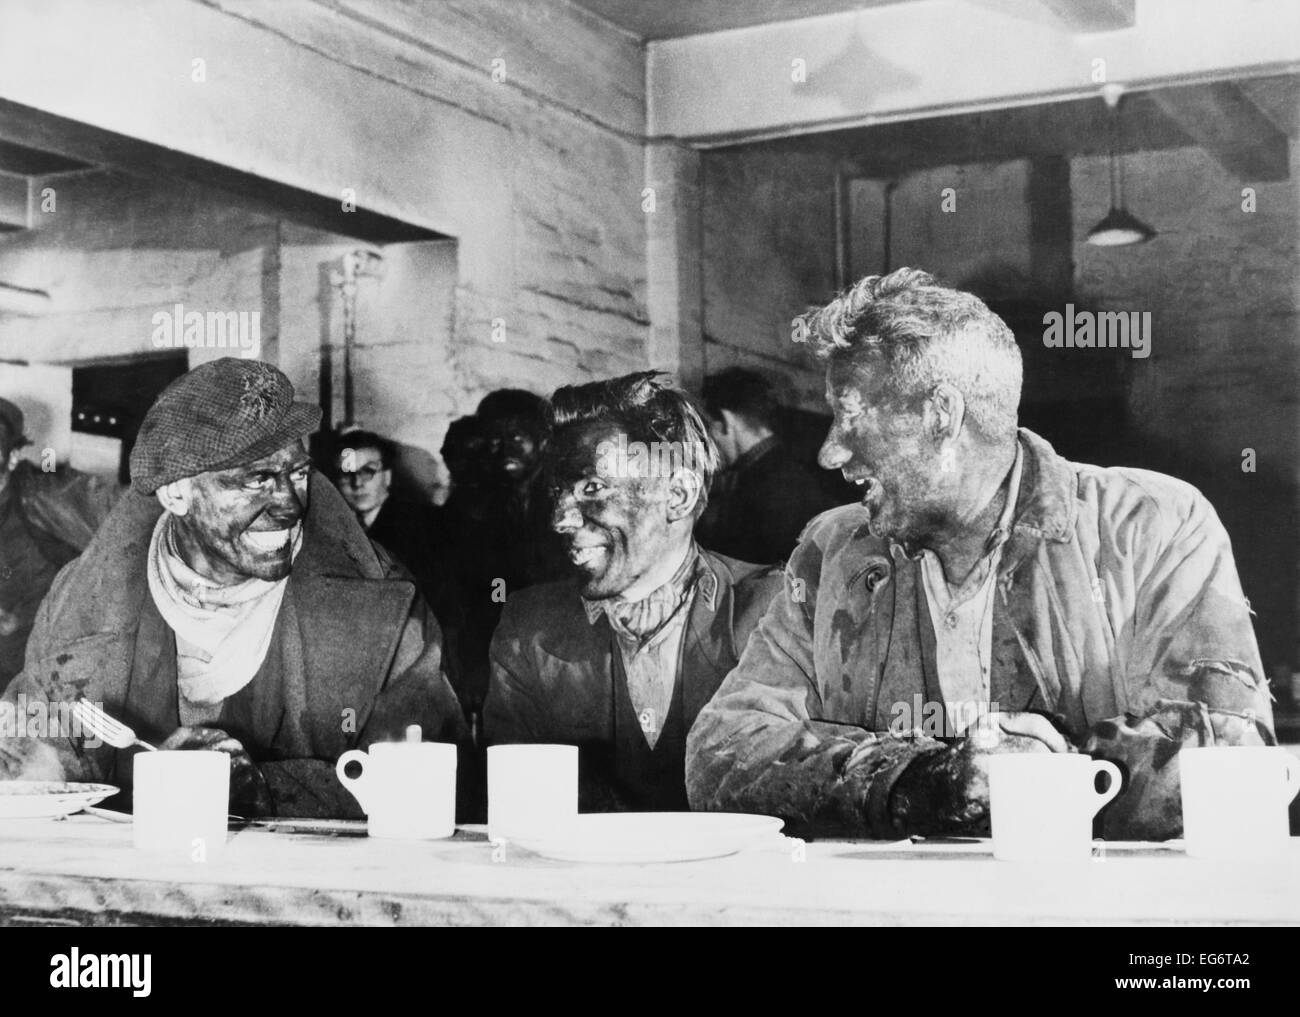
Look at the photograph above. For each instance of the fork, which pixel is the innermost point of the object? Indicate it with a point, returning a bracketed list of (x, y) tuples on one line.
[(93, 719)]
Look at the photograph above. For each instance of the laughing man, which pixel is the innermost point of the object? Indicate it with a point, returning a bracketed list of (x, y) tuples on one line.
[(231, 601), (1099, 609), (620, 659)]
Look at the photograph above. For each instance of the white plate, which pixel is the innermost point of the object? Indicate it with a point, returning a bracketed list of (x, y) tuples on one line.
[(31, 799), (650, 836)]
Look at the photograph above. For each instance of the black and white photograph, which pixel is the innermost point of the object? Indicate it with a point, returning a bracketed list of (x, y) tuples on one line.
[(606, 463)]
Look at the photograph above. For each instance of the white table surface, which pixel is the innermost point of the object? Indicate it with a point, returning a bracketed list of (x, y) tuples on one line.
[(86, 870)]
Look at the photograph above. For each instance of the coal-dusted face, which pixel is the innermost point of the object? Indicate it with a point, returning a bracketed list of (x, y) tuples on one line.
[(514, 445), (877, 440), (241, 523), (611, 509)]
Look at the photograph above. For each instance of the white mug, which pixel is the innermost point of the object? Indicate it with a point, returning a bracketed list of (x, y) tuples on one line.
[(1041, 804), (1235, 800), (407, 789), (532, 789), (180, 802)]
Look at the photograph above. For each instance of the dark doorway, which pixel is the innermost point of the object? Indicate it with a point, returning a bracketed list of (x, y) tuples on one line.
[(110, 399)]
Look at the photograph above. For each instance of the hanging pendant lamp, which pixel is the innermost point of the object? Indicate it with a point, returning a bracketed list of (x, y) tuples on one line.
[(1119, 227)]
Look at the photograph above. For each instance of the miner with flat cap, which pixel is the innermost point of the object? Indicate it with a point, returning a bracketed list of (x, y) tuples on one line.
[(232, 601)]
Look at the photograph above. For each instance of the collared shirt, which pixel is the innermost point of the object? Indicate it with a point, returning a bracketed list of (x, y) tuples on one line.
[(962, 617), (649, 635)]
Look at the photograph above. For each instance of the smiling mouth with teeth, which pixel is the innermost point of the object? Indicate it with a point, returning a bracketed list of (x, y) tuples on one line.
[(870, 488), (267, 541), (586, 555)]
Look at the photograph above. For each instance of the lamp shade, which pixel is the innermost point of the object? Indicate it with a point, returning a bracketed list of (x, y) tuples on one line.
[(1119, 228)]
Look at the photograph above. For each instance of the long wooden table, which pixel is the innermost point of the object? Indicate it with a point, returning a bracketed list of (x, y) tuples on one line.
[(84, 870)]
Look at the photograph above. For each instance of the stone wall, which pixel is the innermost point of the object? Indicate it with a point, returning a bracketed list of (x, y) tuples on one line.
[(515, 130)]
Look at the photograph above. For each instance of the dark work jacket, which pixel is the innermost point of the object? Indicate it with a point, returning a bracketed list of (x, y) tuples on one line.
[(46, 519), (489, 543), (354, 658), (557, 678), (405, 530), (760, 505)]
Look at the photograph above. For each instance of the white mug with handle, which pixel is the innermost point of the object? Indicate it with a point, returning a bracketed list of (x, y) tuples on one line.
[(1041, 804), (407, 789), (1235, 800)]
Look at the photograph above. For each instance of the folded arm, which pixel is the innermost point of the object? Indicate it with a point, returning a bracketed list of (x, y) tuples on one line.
[(763, 743), (1194, 677)]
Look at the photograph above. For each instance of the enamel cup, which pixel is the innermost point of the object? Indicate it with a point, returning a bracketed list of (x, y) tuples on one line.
[(1235, 800), (407, 789), (1041, 804), (532, 789), (180, 801)]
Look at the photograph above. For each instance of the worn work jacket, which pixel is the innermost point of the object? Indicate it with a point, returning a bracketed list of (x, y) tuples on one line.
[(354, 658), (557, 677), (1116, 593), (46, 519)]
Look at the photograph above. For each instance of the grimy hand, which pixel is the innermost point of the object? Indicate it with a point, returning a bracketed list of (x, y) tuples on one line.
[(947, 791), (1008, 731), (249, 794)]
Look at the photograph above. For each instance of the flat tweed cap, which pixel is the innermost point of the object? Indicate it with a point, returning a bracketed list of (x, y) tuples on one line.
[(225, 413)]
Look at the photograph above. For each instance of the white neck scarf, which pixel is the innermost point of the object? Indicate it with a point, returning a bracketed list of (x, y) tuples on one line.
[(222, 632)]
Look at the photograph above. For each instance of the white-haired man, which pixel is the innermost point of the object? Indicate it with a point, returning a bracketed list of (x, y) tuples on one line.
[(1076, 607)]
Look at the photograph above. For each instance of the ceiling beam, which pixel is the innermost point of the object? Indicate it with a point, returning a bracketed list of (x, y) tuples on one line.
[(31, 162), (13, 202), (1279, 99), (1231, 128), (876, 65), (1093, 15)]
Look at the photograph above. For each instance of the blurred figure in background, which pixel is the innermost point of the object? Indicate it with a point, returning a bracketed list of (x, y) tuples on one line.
[(464, 451), (46, 520), (764, 496), (401, 525), (493, 535), (516, 425), (459, 525)]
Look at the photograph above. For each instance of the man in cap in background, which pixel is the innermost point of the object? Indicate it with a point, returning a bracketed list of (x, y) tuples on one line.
[(47, 517), (764, 496), (232, 602)]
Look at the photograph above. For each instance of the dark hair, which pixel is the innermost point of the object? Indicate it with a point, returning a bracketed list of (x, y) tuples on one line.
[(647, 410), (745, 393), (368, 439), (460, 433), (927, 334), (513, 402)]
